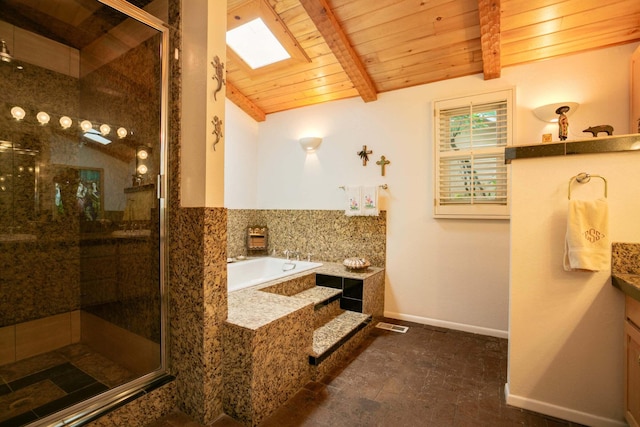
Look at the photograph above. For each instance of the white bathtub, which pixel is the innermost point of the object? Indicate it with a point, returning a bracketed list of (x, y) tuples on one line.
[(252, 272)]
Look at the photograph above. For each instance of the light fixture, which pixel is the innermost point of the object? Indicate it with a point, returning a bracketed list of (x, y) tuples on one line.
[(122, 132), (142, 169), (86, 125), (105, 129), (547, 113), (43, 118), (5, 56), (65, 122), (18, 113), (310, 143), (142, 153)]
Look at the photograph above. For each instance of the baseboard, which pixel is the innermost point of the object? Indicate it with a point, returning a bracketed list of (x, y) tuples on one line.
[(559, 411), (449, 325)]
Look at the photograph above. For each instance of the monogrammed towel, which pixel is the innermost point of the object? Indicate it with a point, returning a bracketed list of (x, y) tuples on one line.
[(587, 246)]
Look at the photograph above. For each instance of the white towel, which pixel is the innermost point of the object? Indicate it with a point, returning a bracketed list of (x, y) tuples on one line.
[(354, 201), (370, 201), (587, 245)]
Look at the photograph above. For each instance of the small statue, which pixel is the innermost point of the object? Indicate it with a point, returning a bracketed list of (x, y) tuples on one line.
[(217, 130), (563, 122), (595, 130), (218, 67)]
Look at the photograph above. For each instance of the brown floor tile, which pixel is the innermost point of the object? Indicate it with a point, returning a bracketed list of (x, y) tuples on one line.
[(429, 376)]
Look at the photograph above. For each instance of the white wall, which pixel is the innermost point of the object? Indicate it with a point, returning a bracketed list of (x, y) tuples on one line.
[(240, 159), (453, 273), (566, 328)]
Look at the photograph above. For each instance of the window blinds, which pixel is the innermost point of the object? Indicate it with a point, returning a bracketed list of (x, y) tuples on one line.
[(470, 167)]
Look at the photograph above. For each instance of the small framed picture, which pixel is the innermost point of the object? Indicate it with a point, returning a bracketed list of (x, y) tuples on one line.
[(546, 137)]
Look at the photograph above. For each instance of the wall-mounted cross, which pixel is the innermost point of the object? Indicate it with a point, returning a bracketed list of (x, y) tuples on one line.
[(364, 155), (382, 163)]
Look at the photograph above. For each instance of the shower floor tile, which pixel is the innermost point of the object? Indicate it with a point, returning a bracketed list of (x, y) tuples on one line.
[(41, 385)]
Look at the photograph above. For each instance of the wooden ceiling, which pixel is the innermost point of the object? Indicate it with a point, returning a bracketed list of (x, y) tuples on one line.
[(360, 48)]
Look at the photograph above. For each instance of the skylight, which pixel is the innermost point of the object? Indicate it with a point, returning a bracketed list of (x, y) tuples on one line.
[(94, 135), (256, 44)]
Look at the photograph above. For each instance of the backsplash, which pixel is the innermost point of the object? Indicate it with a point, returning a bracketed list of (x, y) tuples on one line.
[(328, 235), (625, 258)]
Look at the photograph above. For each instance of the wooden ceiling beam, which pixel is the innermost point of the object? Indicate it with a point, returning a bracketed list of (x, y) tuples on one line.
[(245, 103), (333, 34), (489, 11)]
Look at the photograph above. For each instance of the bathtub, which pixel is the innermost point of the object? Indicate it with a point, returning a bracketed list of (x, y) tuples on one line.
[(252, 272)]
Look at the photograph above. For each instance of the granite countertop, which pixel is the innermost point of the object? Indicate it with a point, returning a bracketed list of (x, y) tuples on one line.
[(627, 283), (338, 269), (250, 308)]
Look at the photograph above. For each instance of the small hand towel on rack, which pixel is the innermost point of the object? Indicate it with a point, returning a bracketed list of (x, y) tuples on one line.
[(370, 200), (587, 245), (354, 201)]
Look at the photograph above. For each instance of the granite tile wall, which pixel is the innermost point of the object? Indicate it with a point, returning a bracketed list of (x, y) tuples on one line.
[(142, 411), (197, 273), (329, 235)]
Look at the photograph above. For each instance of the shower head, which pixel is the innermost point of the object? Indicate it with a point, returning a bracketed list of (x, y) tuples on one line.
[(5, 56)]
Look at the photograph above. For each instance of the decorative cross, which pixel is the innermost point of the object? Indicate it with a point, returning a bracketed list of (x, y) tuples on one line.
[(364, 155), (382, 163)]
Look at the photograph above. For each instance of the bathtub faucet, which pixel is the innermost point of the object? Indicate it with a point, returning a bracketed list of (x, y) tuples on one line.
[(289, 254)]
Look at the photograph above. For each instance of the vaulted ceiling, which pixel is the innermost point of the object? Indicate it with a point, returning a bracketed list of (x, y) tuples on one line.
[(361, 48)]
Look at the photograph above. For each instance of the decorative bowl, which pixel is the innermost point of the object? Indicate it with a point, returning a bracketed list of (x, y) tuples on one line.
[(356, 263)]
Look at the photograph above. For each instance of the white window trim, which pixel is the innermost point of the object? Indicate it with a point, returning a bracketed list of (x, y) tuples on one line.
[(472, 211)]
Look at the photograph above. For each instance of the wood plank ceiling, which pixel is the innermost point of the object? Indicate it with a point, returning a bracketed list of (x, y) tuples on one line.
[(360, 48)]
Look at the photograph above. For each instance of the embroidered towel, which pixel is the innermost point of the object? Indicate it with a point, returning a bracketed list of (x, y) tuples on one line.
[(587, 245), (370, 201), (354, 197)]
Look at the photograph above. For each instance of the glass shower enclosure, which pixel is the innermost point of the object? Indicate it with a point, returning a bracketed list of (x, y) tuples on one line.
[(83, 93)]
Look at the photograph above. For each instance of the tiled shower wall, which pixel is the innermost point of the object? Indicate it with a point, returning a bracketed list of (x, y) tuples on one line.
[(328, 235)]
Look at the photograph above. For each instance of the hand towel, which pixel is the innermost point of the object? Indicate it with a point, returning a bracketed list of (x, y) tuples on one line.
[(354, 198), (587, 245), (370, 201)]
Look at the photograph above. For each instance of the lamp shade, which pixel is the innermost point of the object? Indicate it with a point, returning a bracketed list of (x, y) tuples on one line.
[(547, 113), (310, 143)]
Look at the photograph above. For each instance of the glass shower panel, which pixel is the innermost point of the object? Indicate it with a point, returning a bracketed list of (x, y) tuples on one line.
[(81, 125)]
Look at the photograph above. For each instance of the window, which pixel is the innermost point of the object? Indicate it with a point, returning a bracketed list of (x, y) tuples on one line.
[(471, 177)]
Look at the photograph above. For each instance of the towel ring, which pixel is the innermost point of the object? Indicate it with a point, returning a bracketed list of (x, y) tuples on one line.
[(584, 178)]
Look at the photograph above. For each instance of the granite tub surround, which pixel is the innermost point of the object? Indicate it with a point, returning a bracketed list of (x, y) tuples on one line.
[(266, 342), (328, 235), (275, 330)]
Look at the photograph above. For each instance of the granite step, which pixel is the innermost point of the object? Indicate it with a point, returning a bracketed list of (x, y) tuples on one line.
[(331, 336), (319, 296)]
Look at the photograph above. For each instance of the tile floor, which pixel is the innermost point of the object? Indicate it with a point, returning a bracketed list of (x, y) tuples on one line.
[(426, 377), (41, 385)]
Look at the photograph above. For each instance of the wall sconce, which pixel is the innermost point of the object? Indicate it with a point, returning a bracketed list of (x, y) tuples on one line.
[(310, 143), (547, 113)]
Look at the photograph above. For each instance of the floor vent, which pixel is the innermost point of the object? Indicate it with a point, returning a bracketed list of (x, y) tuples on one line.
[(390, 327)]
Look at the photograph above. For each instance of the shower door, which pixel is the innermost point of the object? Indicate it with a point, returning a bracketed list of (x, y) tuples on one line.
[(82, 143)]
